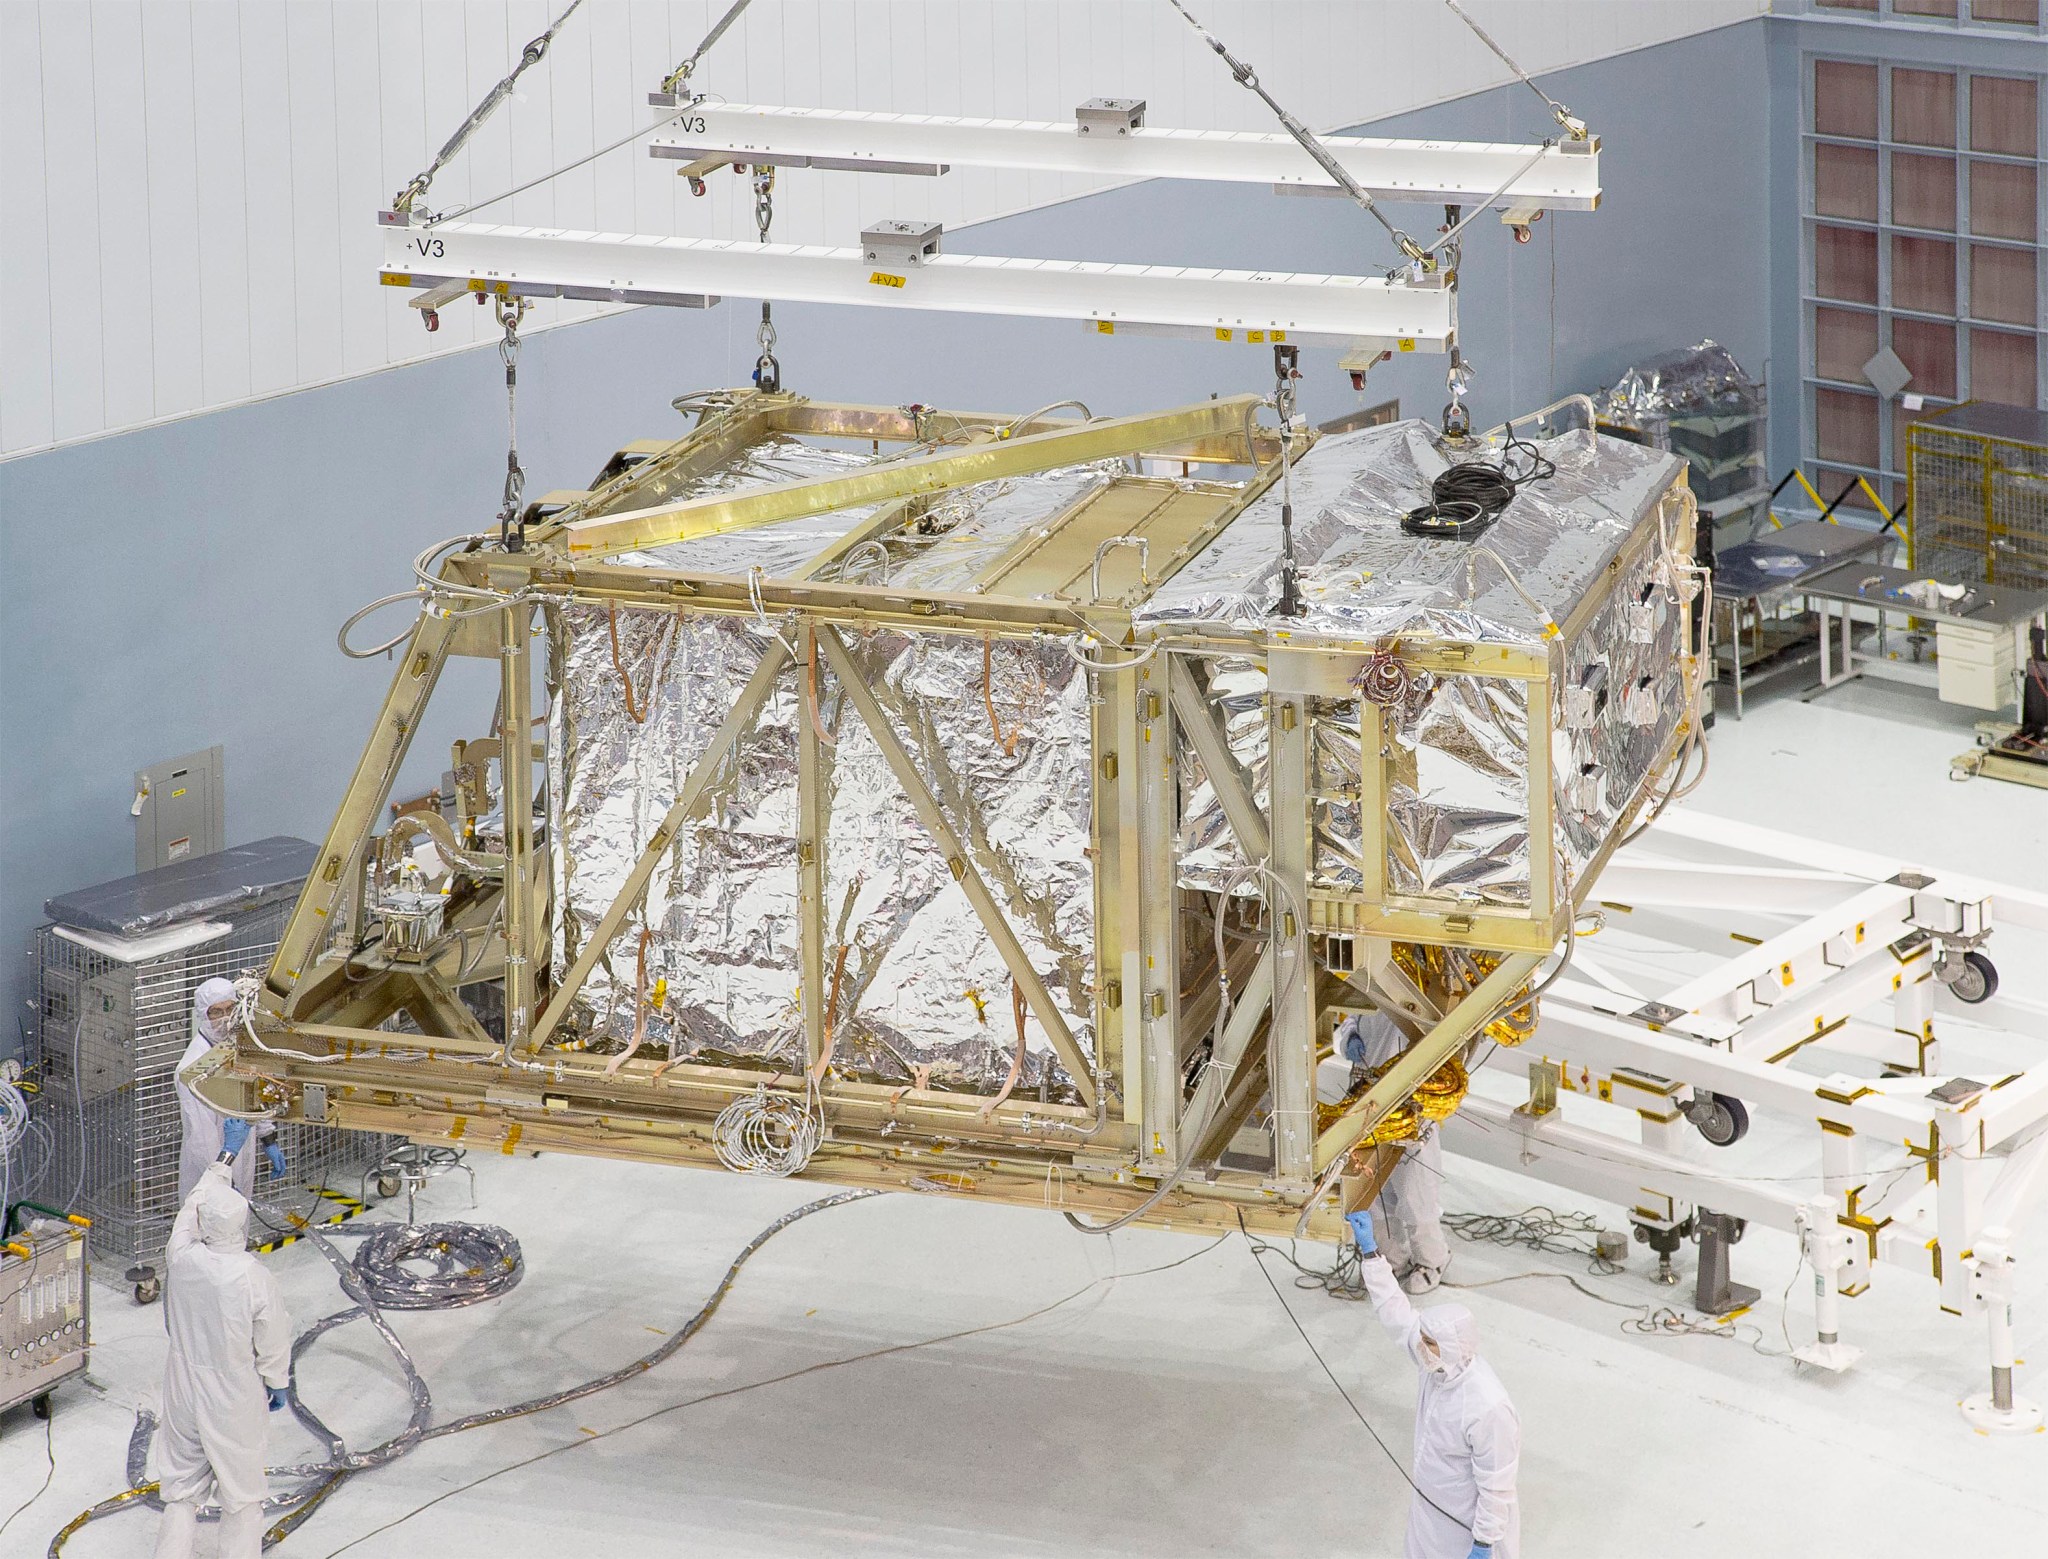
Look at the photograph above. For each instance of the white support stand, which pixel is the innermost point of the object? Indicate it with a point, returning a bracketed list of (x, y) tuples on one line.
[(1997, 1411), (1829, 1249), (1823, 1026)]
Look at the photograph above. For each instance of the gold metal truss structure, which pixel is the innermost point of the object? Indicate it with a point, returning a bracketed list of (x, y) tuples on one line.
[(454, 1016)]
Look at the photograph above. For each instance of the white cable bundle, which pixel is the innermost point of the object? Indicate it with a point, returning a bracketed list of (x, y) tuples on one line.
[(14, 1132), (769, 1134)]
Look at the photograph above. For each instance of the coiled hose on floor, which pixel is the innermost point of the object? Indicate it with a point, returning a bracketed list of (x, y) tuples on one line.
[(397, 1243)]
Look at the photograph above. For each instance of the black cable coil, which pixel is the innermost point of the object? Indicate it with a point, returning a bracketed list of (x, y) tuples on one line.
[(1466, 499)]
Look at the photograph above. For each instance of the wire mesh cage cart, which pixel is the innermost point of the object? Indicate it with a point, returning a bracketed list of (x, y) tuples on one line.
[(114, 1016), (1977, 495)]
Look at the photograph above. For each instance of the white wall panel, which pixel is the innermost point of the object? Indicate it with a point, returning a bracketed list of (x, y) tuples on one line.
[(121, 184), (222, 282), (270, 195), (71, 189), (25, 412), (190, 188), (176, 330)]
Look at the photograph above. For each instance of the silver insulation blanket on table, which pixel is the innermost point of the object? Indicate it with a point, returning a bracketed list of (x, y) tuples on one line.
[(923, 994), (1457, 800)]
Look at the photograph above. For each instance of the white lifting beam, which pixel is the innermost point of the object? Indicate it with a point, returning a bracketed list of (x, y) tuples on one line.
[(1529, 178), (696, 272)]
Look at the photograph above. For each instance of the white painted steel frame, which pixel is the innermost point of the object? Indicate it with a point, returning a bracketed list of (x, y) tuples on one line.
[(1870, 934), (1519, 177), (627, 268)]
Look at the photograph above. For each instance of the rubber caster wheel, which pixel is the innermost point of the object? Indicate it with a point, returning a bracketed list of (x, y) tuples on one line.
[(387, 1188), (1722, 1120), (40, 1406), (149, 1291), (1976, 979)]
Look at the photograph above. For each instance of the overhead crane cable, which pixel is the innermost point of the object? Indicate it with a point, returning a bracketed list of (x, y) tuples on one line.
[(673, 81), (670, 83), (1575, 126), (534, 52), (1248, 78)]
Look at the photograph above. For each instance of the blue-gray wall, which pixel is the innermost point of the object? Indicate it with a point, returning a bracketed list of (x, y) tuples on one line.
[(1794, 40), (178, 586)]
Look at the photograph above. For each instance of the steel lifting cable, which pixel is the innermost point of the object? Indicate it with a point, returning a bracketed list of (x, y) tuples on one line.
[(767, 370), (1573, 126), (1248, 78), (294, 1508), (529, 57), (678, 77), (511, 532), (675, 79)]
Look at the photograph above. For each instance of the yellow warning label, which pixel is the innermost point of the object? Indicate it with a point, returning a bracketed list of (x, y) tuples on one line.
[(395, 279), (1105, 327), (1276, 335), (1222, 335), (177, 793), (1405, 343), (884, 279), (1255, 336)]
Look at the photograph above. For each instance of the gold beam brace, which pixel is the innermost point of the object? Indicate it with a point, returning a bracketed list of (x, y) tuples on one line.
[(894, 479), (1199, 721), (419, 668), (515, 769), (941, 830), (1426, 1055), (736, 725), (1231, 1047)]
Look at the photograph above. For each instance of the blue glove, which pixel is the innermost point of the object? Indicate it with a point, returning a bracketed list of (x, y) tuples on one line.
[(1361, 1231), (234, 1136), (276, 1396), (1481, 1551), (273, 1155)]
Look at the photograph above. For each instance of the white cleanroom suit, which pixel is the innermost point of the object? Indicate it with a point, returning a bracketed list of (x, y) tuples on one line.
[(201, 1142), (1468, 1438), (1407, 1216), (230, 1340)]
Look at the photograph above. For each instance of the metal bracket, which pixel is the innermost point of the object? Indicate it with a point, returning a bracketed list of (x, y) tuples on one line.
[(1109, 116), (900, 243)]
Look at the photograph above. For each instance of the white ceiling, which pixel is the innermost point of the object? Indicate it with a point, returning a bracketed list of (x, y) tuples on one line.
[(189, 189)]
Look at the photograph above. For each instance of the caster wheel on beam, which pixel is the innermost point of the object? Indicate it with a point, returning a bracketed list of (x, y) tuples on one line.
[(149, 1291), (1976, 979), (1722, 1119)]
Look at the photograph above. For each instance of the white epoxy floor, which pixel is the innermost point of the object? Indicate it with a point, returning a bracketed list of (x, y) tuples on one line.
[(870, 1388)]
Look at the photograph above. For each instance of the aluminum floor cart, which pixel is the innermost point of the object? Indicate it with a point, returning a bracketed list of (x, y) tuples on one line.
[(116, 972)]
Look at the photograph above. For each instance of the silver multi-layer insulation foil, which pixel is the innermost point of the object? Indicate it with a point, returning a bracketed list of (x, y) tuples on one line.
[(1457, 799), (998, 730)]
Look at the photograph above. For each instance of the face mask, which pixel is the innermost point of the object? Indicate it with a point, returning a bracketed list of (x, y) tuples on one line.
[(220, 1020)]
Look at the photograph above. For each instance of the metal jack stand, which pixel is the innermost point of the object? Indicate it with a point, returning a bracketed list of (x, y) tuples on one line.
[(409, 1166), (1829, 1250), (1664, 1240), (1715, 1293), (1997, 1411)]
